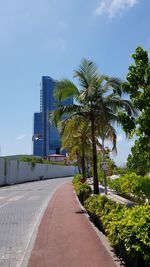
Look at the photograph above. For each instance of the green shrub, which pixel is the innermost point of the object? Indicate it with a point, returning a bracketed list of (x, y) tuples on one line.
[(119, 170), (95, 204), (76, 178), (115, 184), (99, 207), (25, 159), (83, 190), (35, 160), (141, 188), (128, 229), (132, 230), (132, 185)]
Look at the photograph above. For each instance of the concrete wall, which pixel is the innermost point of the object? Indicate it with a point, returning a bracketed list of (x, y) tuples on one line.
[(12, 171), (2, 171)]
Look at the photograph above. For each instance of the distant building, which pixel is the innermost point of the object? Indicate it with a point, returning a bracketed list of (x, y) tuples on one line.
[(46, 139), (37, 137), (56, 158)]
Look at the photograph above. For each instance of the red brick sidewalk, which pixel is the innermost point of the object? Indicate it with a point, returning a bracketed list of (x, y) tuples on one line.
[(66, 238)]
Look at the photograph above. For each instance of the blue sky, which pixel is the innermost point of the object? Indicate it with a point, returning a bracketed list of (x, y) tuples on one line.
[(50, 37)]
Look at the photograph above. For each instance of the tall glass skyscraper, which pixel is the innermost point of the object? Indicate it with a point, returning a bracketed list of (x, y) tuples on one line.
[(46, 139)]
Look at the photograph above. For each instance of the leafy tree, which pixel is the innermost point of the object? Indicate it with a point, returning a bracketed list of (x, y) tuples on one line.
[(138, 86), (132, 186), (139, 160), (98, 101)]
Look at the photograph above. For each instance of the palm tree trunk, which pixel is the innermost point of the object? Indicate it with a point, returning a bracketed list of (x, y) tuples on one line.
[(83, 162), (94, 154), (78, 161), (88, 167), (105, 179)]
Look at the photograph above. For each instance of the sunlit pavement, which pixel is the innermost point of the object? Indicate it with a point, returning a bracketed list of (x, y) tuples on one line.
[(21, 208), (66, 237)]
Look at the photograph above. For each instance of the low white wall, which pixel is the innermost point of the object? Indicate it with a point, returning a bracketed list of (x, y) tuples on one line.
[(12, 171), (2, 171)]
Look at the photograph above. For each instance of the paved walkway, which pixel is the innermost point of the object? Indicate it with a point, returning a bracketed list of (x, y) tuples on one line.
[(21, 209), (66, 237)]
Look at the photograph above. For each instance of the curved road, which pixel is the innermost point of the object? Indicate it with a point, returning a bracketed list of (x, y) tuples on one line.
[(21, 209)]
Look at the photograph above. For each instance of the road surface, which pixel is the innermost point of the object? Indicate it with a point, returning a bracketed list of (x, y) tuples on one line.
[(21, 209)]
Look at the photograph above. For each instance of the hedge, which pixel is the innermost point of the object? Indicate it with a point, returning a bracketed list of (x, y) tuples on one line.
[(83, 190), (128, 229), (77, 178), (133, 186)]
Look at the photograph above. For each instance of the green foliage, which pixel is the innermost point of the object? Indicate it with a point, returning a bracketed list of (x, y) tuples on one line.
[(119, 170), (75, 137), (131, 230), (25, 159), (138, 86), (95, 204), (83, 190), (138, 76), (100, 173), (126, 228), (98, 101), (110, 162), (128, 122), (77, 178), (139, 160), (34, 160), (100, 207), (133, 186)]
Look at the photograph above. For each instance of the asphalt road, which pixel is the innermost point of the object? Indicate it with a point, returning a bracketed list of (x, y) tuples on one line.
[(21, 210)]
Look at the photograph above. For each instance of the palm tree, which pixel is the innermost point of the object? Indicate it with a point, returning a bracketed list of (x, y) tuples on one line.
[(97, 100), (76, 140)]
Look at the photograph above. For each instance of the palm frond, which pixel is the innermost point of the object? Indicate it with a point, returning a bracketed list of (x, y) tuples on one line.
[(110, 134), (87, 74), (129, 107), (114, 84), (64, 111), (65, 89)]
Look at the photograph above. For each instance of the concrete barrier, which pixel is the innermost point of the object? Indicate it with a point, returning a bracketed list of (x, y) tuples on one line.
[(13, 171), (2, 172)]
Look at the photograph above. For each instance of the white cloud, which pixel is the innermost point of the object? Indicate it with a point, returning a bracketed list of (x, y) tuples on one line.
[(112, 7)]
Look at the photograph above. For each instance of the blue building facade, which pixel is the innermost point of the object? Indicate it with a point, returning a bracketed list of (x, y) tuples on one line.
[(37, 137), (46, 139)]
